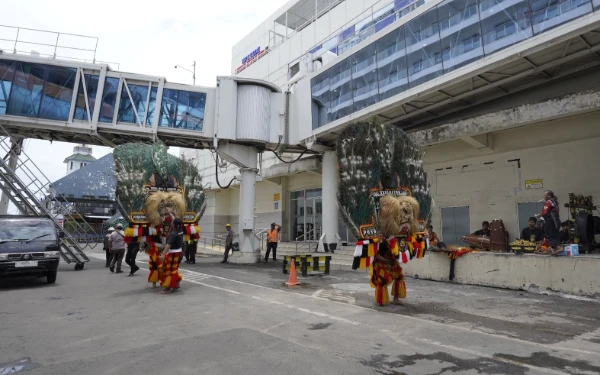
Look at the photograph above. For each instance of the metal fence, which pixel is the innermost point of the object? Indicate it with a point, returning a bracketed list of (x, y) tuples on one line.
[(51, 44)]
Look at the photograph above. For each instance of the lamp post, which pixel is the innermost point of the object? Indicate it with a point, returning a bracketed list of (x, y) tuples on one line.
[(193, 72)]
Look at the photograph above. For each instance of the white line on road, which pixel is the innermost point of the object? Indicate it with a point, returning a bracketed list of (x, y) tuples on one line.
[(407, 317)]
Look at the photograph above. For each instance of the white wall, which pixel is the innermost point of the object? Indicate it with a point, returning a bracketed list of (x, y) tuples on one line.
[(274, 66), (562, 152)]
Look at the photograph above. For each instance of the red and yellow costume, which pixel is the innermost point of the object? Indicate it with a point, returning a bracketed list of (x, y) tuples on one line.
[(383, 258), (170, 276), (154, 236), (154, 264)]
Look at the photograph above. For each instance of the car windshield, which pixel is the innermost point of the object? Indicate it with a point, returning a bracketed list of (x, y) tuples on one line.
[(27, 230)]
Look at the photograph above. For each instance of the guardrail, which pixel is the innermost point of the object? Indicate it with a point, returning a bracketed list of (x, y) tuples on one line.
[(52, 44)]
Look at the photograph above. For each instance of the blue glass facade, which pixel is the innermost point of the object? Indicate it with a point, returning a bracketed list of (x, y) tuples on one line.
[(129, 105), (46, 92), (36, 90), (109, 98), (450, 35)]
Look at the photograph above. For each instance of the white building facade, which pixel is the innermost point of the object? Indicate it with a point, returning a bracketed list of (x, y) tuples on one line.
[(502, 95)]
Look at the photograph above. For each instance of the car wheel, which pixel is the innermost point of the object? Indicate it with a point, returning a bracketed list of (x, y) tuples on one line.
[(51, 277)]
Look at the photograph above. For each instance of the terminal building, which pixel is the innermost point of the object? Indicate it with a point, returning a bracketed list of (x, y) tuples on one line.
[(503, 95)]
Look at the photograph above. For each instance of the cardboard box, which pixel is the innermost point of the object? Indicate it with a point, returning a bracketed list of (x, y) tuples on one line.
[(571, 250)]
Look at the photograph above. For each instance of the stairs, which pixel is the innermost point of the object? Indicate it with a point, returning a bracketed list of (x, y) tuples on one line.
[(26, 186)]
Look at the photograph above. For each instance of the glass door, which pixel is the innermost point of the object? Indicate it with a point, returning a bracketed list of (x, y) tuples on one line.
[(306, 215)]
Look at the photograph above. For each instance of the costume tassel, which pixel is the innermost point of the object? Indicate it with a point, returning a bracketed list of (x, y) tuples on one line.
[(402, 291)]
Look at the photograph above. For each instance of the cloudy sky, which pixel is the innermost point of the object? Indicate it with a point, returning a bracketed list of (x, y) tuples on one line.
[(148, 37)]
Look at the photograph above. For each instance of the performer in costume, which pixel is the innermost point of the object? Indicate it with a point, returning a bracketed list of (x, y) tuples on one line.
[(397, 217), (170, 258), (382, 189), (149, 195)]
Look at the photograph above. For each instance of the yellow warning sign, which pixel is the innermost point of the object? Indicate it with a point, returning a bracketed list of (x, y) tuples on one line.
[(534, 184), (276, 197)]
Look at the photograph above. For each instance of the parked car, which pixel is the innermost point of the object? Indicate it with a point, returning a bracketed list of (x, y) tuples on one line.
[(29, 246)]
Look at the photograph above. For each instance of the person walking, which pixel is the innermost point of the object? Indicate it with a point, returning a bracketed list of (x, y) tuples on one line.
[(106, 247), (228, 243), (272, 240), (132, 251), (117, 248)]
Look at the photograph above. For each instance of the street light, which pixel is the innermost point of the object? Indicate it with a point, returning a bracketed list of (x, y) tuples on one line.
[(193, 72)]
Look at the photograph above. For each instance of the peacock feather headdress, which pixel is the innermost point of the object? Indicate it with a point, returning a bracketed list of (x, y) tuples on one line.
[(371, 155), (138, 164)]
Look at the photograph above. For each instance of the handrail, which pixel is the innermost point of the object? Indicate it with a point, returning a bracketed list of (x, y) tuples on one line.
[(53, 47), (304, 235)]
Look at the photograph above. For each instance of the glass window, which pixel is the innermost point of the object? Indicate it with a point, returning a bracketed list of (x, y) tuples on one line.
[(168, 110), (364, 78), (151, 106), (423, 48), (190, 110), (391, 64), (548, 14), (320, 99), (460, 33), (91, 85), (109, 99), (128, 108), (340, 84), (183, 109), (7, 74), (26, 91), (504, 24), (297, 194), (58, 92), (313, 193)]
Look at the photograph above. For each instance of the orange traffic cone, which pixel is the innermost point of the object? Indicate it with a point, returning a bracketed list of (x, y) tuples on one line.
[(293, 280)]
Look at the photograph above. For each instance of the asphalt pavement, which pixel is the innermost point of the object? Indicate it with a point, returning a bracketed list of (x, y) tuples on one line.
[(233, 319)]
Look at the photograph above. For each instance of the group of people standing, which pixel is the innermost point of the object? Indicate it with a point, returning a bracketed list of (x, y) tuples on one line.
[(114, 246), (163, 261), (272, 241)]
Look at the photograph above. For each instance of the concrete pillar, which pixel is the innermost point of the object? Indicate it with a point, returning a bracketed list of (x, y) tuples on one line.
[(249, 251), (12, 164), (329, 194)]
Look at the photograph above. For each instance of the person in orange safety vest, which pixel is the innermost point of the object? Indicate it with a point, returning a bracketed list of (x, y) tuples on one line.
[(272, 240)]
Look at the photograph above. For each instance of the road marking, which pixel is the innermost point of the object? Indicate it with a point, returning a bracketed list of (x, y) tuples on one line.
[(369, 310), (305, 310)]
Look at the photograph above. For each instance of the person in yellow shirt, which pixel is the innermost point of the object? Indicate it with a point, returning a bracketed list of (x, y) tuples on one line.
[(272, 240)]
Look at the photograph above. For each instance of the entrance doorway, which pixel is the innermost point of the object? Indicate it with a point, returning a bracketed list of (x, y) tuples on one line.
[(306, 215)]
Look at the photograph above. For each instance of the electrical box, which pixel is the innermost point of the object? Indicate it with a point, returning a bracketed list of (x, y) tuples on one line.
[(248, 223)]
